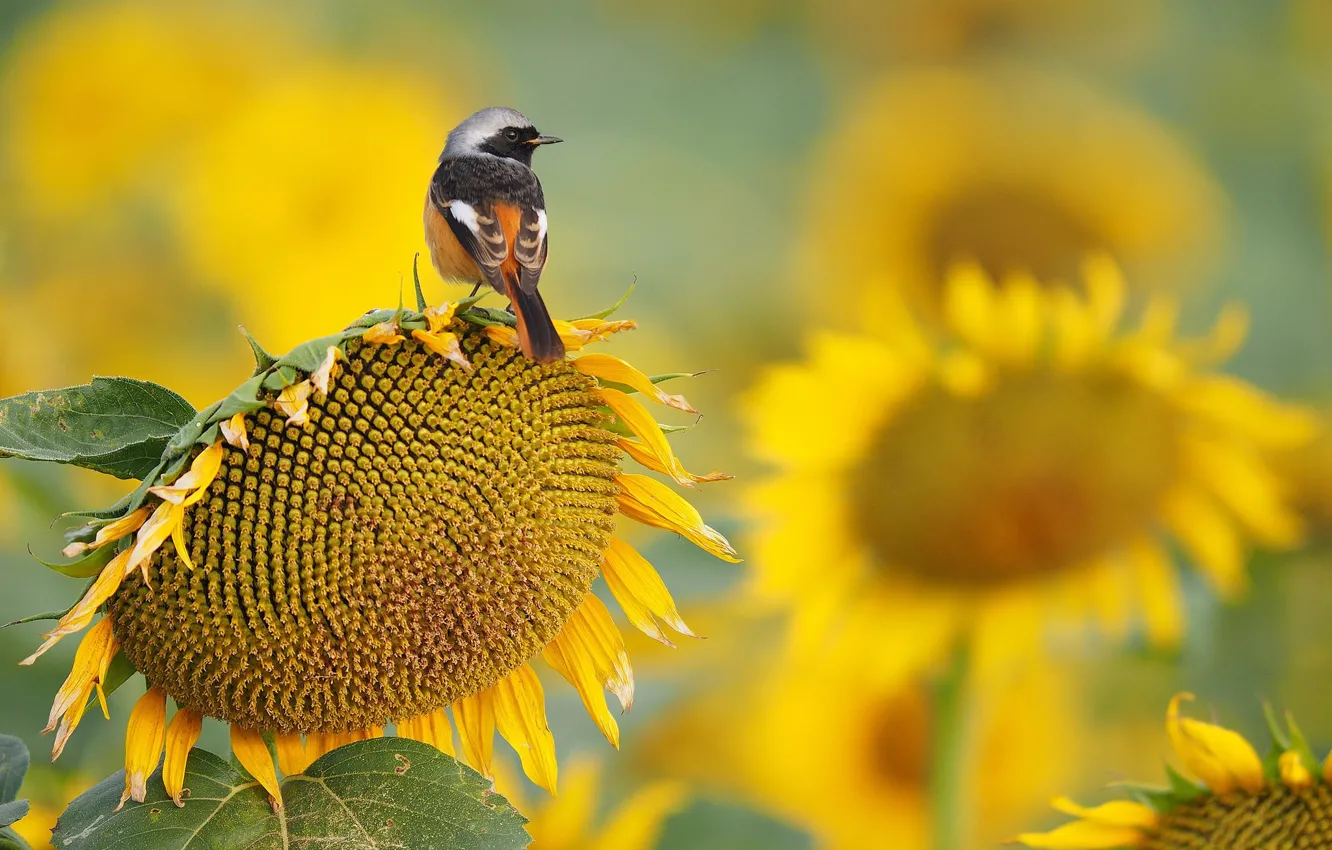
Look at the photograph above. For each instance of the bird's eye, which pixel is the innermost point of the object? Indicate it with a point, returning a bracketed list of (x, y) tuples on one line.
[(511, 135)]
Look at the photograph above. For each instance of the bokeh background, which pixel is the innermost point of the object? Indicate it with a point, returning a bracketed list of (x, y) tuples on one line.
[(169, 171)]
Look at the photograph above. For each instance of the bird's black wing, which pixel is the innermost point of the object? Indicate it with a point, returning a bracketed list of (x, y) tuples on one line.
[(477, 229), (530, 246)]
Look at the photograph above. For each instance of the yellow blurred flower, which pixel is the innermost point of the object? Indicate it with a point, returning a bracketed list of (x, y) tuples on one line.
[(1243, 801), (307, 205), (567, 822), (1308, 468), (1020, 470), (48, 795), (1016, 171), (847, 759), (100, 96), (888, 30)]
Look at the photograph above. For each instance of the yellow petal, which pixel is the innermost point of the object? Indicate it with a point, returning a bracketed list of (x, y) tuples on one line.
[(475, 718), (294, 403), (1225, 338), (1159, 593), (317, 744), (88, 672), (636, 824), (233, 431), (1073, 329), (78, 617), (109, 533), (600, 329), (1159, 318), (1114, 813), (151, 536), (611, 368), (1230, 402), (433, 729), (439, 318), (520, 716), (384, 333), (1020, 318), (323, 373), (653, 503), (1293, 772), (1242, 482), (640, 591), (1084, 835), (965, 374), (637, 419), (1219, 757), (589, 652), (502, 335), (143, 743), (1105, 293), (969, 306), (1210, 539), (291, 755), (251, 751), (203, 469), (642, 455), (444, 344), (181, 736)]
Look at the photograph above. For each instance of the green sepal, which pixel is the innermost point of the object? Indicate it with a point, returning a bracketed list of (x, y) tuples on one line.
[(36, 618), (610, 311), (125, 506), (281, 377), (1158, 799), (486, 316), (467, 303), (262, 359), (416, 279), (89, 565), (1182, 788)]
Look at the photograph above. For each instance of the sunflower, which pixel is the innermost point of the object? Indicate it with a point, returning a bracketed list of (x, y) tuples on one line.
[(1244, 801), (817, 745), (567, 822), (1033, 458), (165, 73), (258, 203), (1008, 168), (384, 526)]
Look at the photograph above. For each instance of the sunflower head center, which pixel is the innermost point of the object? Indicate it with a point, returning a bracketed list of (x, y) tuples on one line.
[(1036, 476), (425, 533), (1005, 231), (1277, 817)]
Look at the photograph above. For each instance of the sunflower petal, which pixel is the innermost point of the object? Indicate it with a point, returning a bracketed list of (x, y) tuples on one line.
[(475, 718), (250, 750), (642, 594), (611, 368), (1083, 835), (520, 716), (432, 728), (181, 736), (1219, 757), (291, 754), (144, 738), (653, 503)]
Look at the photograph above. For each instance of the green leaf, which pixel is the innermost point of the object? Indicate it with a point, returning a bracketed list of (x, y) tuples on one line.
[(118, 426), (9, 840), (12, 811), (386, 792), (13, 767), (117, 674)]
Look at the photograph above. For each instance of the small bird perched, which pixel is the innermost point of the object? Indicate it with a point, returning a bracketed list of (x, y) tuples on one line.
[(485, 218)]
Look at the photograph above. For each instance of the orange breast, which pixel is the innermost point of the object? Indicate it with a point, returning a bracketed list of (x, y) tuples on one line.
[(451, 260)]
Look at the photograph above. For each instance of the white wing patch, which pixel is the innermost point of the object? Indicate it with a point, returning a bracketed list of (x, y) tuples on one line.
[(541, 226), (465, 215)]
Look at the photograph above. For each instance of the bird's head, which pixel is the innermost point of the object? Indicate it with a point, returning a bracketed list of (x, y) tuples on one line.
[(497, 131)]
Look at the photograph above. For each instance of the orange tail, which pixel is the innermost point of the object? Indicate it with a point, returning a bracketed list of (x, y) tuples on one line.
[(536, 331)]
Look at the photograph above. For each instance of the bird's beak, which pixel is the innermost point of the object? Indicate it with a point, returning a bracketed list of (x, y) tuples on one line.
[(545, 140)]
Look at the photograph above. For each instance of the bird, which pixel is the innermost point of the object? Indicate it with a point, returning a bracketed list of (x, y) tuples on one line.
[(485, 219)]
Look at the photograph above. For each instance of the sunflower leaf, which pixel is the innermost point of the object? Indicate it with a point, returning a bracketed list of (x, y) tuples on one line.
[(86, 567), (13, 767), (118, 426), (386, 792)]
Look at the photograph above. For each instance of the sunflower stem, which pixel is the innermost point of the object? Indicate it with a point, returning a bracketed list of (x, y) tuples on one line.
[(950, 797)]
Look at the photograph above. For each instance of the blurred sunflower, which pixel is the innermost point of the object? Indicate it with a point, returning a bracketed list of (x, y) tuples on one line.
[(817, 745), (1309, 470), (1244, 801), (384, 526), (1010, 169), (1022, 469), (310, 197), (893, 30), (97, 94), (567, 822)]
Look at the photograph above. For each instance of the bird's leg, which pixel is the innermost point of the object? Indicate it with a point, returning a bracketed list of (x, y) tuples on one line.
[(475, 290)]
